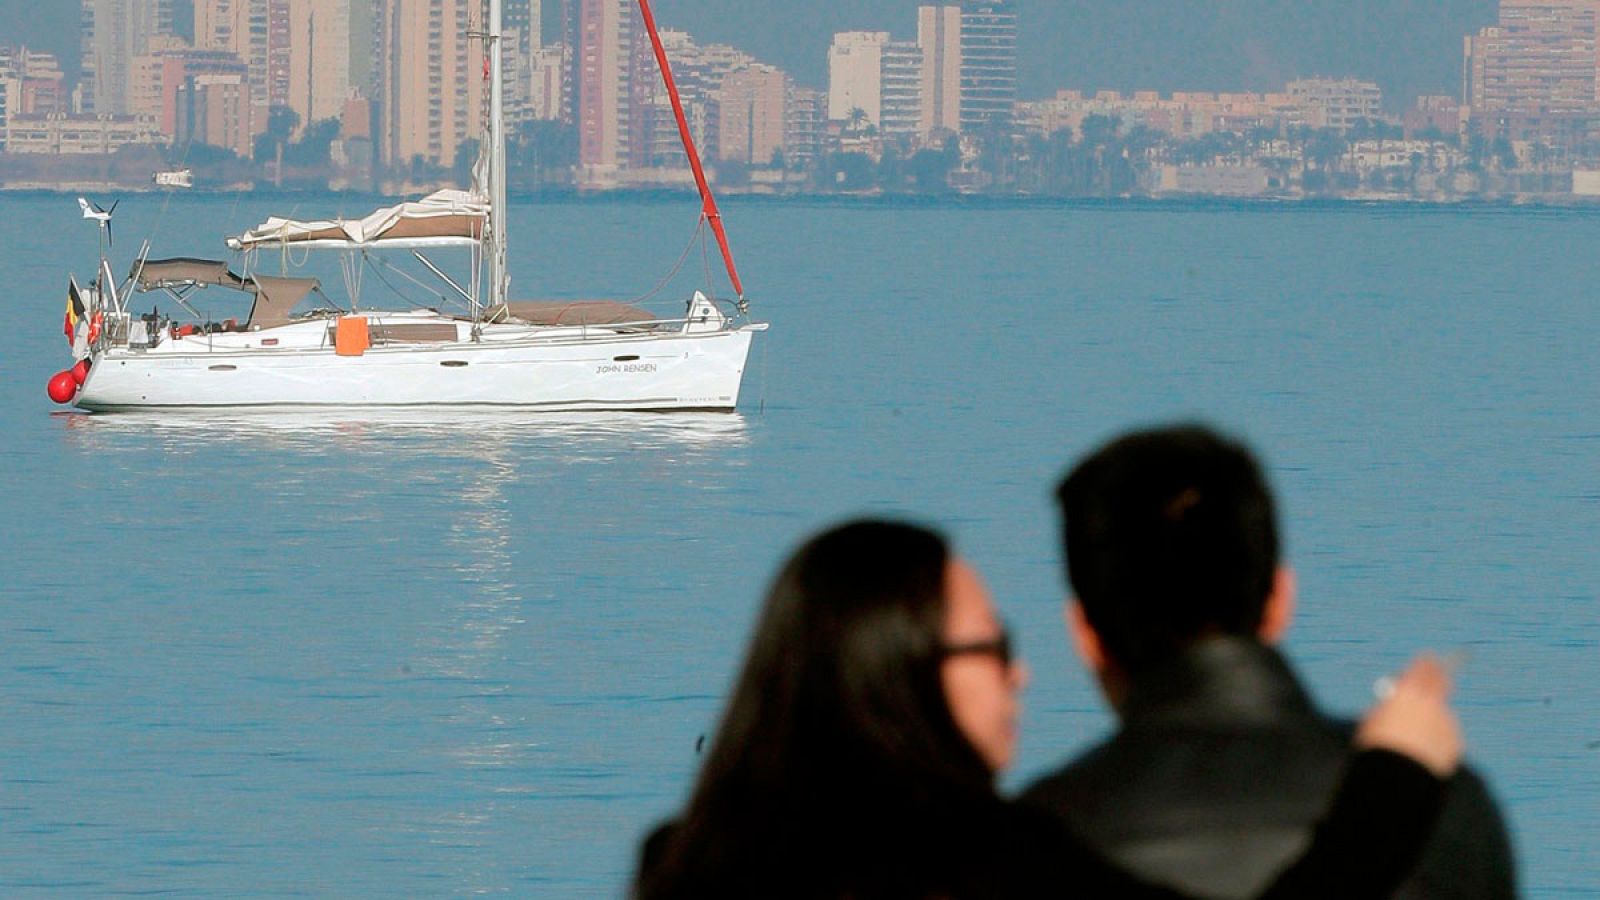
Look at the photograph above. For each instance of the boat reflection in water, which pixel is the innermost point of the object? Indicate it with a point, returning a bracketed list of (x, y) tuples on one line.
[(448, 587), (431, 431)]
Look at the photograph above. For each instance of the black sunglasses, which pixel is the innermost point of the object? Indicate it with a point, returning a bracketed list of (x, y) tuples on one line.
[(998, 647)]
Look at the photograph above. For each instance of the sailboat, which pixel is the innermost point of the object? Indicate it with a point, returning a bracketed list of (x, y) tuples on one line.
[(495, 352)]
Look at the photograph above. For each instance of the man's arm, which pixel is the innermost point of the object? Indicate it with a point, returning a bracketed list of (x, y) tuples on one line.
[(1373, 835), (1469, 856)]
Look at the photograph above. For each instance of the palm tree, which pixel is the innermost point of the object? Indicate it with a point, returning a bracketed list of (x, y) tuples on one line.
[(856, 123)]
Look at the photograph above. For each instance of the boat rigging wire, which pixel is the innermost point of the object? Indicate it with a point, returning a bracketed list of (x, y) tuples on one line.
[(699, 235), (421, 285), (705, 260)]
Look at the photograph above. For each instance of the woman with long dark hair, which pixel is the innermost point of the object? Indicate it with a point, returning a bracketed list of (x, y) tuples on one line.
[(878, 700)]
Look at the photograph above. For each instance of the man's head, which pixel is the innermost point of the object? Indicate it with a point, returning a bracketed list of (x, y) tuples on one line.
[(1170, 536)]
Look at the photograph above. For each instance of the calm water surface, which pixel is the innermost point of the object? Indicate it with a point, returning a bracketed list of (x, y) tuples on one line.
[(414, 655)]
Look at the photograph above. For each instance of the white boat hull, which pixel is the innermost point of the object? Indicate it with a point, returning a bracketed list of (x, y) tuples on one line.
[(690, 371)]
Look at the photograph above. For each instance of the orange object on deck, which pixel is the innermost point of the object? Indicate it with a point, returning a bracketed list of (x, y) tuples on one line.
[(352, 337)]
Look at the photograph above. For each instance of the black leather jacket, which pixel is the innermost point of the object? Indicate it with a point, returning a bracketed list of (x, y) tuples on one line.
[(1220, 772)]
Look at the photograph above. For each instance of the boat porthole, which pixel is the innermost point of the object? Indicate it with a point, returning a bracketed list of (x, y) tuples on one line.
[(454, 364)]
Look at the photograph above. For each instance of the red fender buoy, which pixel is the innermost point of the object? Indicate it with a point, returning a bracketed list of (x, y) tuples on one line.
[(80, 372), (62, 387)]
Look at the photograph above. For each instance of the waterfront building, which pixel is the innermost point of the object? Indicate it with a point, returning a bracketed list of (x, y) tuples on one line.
[(363, 47), (1533, 75), (751, 111), (547, 71), (700, 70), (431, 71), (603, 69), (1183, 115), (256, 31), (1433, 113), (988, 63), (145, 88), (900, 90), (520, 44), (115, 32), (939, 39), (855, 77), (31, 84), (527, 18), (194, 96), (61, 134), (319, 59), (1371, 155), (805, 126), (211, 105), (10, 88), (1336, 103)]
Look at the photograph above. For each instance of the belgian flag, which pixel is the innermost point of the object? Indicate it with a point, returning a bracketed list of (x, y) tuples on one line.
[(75, 309)]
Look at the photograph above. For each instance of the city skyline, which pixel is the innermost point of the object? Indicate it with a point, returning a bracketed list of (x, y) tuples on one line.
[(1408, 47), (266, 89)]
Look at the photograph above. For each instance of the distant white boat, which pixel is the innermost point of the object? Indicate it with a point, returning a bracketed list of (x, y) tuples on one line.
[(182, 178), (566, 356)]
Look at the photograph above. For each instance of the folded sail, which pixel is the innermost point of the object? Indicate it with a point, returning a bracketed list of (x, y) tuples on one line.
[(443, 218)]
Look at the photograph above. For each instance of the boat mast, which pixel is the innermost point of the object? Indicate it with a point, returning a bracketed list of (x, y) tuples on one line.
[(499, 278), (708, 203)]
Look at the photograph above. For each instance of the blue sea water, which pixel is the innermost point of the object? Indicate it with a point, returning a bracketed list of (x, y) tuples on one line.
[(414, 655)]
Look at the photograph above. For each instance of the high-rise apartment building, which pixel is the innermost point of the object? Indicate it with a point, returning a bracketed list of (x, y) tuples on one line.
[(363, 47), (114, 33), (1533, 75), (900, 91), (939, 39), (258, 32), (604, 61), (700, 71), (526, 17), (1337, 103), (8, 93), (319, 59), (31, 84), (988, 62), (146, 96), (855, 76), (875, 81), (806, 116), (751, 104), (431, 73), (547, 76), (207, 100)]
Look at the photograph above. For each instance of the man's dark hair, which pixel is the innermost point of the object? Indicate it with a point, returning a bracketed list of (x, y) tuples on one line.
[(1169, 535)]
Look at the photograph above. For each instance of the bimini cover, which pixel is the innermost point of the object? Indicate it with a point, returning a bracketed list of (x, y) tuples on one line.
[(183, 272), (443, 218)]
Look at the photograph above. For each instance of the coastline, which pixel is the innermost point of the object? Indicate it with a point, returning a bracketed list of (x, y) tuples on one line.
[(857, 199)]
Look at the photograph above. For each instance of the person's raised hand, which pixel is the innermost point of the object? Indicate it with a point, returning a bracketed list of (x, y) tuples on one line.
[(1414, 717)]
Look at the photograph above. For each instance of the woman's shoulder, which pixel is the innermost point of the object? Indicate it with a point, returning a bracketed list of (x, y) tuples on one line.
[(652, 853)]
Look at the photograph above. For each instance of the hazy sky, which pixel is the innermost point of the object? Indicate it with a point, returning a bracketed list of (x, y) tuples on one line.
[(1408, 46)]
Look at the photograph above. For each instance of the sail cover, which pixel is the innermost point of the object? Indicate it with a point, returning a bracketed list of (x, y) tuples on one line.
[(441, 219)]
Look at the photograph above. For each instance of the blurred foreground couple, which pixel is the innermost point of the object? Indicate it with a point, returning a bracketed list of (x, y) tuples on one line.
[(878, 700)]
